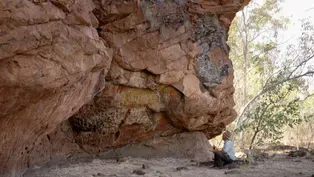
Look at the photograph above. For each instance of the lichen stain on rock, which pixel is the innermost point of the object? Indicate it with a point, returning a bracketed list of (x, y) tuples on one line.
[(140, 98)]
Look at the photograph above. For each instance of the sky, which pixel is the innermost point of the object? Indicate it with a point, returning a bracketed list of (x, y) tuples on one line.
[(296, 10)]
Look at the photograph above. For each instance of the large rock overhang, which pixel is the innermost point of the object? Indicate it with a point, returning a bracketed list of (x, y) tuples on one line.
[(140, 68)]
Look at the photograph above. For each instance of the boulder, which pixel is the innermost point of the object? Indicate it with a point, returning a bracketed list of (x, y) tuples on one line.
[(193, 145)]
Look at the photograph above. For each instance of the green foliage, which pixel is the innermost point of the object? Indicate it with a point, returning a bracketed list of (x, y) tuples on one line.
[(269, 82), (271, 112), (253, 38), (253, 41)]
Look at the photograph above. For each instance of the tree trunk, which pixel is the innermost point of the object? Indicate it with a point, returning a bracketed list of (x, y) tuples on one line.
[(245, 52), (257, 130), (253, 138)]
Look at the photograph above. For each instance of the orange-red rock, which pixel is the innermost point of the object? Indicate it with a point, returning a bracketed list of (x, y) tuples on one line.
[(142, 69)]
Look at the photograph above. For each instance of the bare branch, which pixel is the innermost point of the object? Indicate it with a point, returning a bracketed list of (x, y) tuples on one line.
[(308, 96), (301, 64), (266, 89)]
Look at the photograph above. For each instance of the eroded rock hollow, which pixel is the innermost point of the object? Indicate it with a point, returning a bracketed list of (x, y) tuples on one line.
[(92, 75)]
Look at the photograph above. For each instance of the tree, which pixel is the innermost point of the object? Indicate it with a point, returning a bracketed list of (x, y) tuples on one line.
[(275, 109), (253, 37), (259, 61), (303, 134), (296, 64)]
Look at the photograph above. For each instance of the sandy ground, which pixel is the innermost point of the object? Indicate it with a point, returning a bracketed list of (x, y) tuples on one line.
[(278, 166)]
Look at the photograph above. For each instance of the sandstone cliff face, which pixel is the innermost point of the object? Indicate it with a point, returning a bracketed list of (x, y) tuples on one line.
[(142, 69), (170, 73)]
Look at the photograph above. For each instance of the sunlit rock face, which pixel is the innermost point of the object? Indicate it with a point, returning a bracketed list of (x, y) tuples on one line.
[(170, 72), (142, 69)]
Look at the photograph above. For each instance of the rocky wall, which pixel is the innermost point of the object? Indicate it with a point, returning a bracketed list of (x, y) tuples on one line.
[(141, 68), (170, 73)]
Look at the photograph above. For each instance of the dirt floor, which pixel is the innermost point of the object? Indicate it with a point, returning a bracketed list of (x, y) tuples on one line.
[(278, 166)]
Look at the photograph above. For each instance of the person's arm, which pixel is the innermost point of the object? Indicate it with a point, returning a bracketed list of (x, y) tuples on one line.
[(216, 149)]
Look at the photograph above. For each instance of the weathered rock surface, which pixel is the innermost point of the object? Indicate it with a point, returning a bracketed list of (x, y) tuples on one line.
[(52, 61), (165, 65), (170, 64), (192, 145)]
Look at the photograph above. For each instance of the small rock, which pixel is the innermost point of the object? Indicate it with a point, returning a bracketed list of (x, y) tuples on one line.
[(182, 168), (297, 153), (208, 163), (145, 166), (312, 175), (159, 172), (303, 149), (298, 161), (233, 172), (119, 160), (165, 175), (138, 172), (113, 175), (232, 166), (256, 155), (98, 174)]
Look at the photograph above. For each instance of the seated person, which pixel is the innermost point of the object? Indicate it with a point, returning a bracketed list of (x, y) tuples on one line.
[(227, 154)]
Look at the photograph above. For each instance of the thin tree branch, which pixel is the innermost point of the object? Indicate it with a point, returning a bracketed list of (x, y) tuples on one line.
[(266, 89)]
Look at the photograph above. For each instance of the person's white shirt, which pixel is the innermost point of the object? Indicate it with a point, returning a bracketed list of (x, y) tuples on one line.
[(229, 149)]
